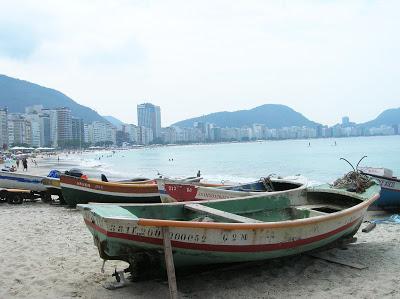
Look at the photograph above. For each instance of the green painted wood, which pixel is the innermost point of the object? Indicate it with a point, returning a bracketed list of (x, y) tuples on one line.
[(220, 214)]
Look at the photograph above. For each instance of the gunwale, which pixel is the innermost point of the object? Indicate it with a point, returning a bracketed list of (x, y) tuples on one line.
[(393, 179), (90, 184), (219, 191), (246, 226)]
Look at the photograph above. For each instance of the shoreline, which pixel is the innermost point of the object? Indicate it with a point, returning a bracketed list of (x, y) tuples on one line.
[(47, 252)]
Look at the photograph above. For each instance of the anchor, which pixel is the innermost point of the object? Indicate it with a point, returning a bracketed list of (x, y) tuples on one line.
[(119, 277)]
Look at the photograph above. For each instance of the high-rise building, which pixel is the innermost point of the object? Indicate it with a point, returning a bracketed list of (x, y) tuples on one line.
[(34, 120), (45, 132), (64, 126), (101, 132), (149, 116), (345, 120), (78, 131), (52, 113), (131, 132), (19, 130), (145, 135), (3, 128)]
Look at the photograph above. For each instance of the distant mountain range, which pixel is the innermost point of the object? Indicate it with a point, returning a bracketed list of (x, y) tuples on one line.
[(270, 115), (17, 94), (278, 116), (388, 117), (113, 120)]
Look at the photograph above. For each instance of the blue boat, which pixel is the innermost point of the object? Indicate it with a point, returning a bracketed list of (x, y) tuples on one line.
[(390, 187)]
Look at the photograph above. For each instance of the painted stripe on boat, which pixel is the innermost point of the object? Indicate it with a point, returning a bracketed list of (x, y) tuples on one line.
[(226, 248), (132, 193), (21, 179), (95, 185)]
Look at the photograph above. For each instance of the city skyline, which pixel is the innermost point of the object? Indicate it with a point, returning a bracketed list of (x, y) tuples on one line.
[(44, 127), (318, 57)]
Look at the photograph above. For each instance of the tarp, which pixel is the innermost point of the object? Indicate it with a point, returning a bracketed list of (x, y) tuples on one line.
[(394, 219)]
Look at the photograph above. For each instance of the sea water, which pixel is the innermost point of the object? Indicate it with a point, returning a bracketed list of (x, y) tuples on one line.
[(316, 159)]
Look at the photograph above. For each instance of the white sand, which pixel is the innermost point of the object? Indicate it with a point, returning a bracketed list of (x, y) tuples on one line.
[(47, 252)]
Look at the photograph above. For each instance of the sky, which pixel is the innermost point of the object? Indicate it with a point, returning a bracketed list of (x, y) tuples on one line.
[(325, 59)]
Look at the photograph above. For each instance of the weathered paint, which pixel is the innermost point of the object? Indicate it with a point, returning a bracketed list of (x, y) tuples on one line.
[(14, 180), (79, 191), (390, 192), (120, 231), (173, 191)]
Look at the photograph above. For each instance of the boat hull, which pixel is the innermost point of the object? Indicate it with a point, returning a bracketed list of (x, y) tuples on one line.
[(209, 246), (173, 191), (195, 243), (390, 193), (12, 180), (80, 191)]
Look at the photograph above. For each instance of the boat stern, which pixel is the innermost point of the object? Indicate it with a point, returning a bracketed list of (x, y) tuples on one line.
[(106, 222)]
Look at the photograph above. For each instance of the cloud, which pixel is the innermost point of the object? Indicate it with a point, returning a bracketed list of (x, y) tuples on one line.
[(16, 42), (323, 58)]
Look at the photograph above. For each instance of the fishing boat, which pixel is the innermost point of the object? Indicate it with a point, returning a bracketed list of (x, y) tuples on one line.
[(176, 191), (15, 180), (390, 192), (241, 229), (78, 190)]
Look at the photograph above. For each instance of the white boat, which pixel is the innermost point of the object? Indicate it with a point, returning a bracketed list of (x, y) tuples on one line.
[(177, 191), (15, 180)]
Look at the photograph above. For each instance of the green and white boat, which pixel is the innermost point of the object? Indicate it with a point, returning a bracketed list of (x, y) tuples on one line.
[(228, 230)]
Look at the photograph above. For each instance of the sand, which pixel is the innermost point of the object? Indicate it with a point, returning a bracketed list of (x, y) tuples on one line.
[(47, 252)]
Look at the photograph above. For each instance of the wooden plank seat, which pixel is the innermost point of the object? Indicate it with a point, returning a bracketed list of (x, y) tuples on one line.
[(221, 214), (314, 209)]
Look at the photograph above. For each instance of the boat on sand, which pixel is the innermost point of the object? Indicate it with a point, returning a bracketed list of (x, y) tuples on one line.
[(240, 229), (390, 192), (178, 191), (78, 190)]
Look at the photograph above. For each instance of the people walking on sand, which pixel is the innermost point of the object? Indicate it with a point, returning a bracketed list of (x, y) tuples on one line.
[(25, 164), (17, 163)]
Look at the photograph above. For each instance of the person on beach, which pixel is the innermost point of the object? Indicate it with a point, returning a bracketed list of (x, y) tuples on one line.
[(17, 163), (25, 164)]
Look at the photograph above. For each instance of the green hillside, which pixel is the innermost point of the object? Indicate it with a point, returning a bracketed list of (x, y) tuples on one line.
[(271, 115), (17, 94)]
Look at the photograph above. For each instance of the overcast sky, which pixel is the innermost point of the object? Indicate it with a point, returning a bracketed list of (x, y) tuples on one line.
[(325, 59)]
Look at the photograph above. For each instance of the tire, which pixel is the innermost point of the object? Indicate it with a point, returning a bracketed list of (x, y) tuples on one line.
[(45, 197), (15, 199), (62, 200), (18, 199)]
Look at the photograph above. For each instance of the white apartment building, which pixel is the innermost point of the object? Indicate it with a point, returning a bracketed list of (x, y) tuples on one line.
[(3, 128)]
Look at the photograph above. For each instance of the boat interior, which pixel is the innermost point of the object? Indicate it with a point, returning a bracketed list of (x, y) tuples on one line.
[(253, 209), (264, 185)]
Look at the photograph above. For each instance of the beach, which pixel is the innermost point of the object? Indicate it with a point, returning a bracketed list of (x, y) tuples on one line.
[(47, 252)]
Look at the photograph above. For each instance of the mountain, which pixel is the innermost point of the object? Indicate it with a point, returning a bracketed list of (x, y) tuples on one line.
[(17, 94), (388, 117), (114, 121), (271, 115)]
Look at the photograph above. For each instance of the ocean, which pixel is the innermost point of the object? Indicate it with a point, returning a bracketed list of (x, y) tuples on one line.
[(316, 159)]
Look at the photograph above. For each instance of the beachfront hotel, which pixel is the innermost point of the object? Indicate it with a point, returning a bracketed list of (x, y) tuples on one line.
[(149, 116)]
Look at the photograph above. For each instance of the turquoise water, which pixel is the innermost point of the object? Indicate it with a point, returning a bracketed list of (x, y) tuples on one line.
[(248, 161)]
